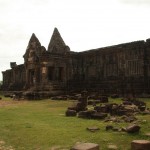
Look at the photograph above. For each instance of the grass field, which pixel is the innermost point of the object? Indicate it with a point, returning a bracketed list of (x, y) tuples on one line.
[(42, 125)]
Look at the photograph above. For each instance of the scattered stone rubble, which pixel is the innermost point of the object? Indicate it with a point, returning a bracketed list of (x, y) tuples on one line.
[(112, 112), (124, 118), (133, 128)]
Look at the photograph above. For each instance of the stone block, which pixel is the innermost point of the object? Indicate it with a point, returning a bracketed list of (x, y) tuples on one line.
[(93, 129), (140, 145), (71, 113), (86, 146), (99, 115), (133, 128), (86, 114)]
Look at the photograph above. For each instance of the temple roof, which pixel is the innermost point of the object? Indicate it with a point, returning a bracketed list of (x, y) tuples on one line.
[(33, 45), (34, 39), (56, 41)]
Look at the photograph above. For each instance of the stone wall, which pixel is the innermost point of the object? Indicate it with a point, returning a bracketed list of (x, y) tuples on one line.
[(14, 79), (117, 69)]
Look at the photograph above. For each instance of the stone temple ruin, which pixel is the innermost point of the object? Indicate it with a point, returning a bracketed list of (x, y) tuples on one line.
[(120, 69)]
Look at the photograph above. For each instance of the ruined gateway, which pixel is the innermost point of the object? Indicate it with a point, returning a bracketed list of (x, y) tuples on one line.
[(120, 69)]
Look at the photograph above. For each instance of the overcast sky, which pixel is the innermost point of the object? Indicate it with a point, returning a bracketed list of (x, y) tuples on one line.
[(83, 24)]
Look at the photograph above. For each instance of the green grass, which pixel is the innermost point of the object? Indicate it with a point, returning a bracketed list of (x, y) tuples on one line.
[(40, 125)]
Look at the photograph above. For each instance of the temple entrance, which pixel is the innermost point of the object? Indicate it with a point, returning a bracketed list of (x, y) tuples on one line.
[(50, 73), (55, 73), (31, 77), (60, 73)]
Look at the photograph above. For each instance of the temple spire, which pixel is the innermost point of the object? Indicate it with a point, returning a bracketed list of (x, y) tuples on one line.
[(34, 39), (56, 42), (34, 45)]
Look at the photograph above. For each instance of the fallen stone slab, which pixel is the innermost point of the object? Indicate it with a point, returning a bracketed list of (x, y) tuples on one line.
[(112, 147), (99, 115), (70, 113), (93, 129), (86, 114), (86, 146), (140, 145), (133, 128)]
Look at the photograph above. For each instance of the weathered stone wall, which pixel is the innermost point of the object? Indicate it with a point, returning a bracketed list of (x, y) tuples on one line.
[(115, 69), (14, 79)]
